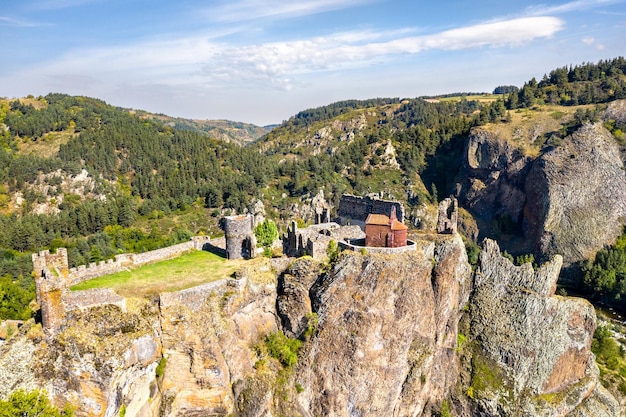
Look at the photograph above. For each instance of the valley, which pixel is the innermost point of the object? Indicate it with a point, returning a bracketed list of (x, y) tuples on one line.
[(477, 322)]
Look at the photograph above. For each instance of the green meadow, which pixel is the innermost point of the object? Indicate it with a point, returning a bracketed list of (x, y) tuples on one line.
[(186, 271)]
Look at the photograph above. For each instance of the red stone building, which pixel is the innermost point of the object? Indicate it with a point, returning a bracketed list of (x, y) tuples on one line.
[(383, 231)]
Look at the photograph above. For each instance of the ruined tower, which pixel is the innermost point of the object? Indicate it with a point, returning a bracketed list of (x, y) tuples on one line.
[(448, 216), (240, 239), (51, 283)]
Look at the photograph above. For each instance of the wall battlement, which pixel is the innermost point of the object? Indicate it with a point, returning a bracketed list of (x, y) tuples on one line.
[(53, 279)]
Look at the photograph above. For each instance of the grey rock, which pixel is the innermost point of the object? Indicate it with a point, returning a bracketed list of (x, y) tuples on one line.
[(293, 303), (576, 196), (532, 355)]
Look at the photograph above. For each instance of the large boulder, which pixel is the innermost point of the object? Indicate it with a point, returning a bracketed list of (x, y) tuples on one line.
[(576, 196)]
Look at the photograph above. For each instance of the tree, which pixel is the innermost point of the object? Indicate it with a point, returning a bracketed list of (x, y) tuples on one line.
[(266, 233)]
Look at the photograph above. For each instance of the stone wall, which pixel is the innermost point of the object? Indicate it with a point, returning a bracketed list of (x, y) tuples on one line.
[(127, 260), (53, 279), (93, 297), (314, 240), (357, 245), (193, 298), (354, 209)]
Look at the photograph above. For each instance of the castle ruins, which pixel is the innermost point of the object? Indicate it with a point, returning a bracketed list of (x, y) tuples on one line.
[(354, 209), (53, 279), (448, 216), (240, 239), (314, 240)]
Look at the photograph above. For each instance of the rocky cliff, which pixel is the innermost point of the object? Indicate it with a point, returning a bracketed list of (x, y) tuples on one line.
[(531, 349), (568, 200), (414, 334)]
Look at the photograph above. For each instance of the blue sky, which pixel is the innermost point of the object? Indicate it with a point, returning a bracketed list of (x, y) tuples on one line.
[(263, 61)]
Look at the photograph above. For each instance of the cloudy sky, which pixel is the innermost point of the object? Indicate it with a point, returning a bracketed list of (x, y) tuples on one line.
[(262, 61)]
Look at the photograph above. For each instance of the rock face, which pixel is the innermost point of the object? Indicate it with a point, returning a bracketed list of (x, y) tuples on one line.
[(571, 200), (491, 182), (532, 349), (401, 335), (208, 338), (102, 359), (576, 195), (387, 333), (293, 302)]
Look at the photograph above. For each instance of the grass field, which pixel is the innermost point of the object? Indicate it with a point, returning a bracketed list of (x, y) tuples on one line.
[(188, 270)]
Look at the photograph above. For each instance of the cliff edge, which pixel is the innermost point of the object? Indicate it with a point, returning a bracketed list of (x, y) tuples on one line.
[(412, 334)]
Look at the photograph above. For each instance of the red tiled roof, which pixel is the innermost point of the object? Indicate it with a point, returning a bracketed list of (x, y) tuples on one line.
[(380, 219), (396, 225)]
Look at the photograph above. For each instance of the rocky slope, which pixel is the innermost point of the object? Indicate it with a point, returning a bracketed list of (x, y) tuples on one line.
[(401, 335), (531, 349), (570, 200)]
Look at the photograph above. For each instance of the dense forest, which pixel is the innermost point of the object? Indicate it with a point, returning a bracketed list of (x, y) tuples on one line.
[(152, 184), (570, 86)]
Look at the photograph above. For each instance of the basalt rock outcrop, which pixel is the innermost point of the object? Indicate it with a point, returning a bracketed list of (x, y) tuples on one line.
[(576, 195), (400, 335), (531, 349), (387, 330), (570, 200), (491, 182), (101, 359)]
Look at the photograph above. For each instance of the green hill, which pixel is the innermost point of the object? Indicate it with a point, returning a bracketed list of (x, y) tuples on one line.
[(99, 179)]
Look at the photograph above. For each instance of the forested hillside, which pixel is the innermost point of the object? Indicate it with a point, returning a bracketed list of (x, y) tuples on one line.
[(79, 173), (236, 132)]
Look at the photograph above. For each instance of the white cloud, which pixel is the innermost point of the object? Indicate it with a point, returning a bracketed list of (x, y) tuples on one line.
[(245, 10), (9, 21), (571, 6), (278, 62), (201, 62), (592, 42)]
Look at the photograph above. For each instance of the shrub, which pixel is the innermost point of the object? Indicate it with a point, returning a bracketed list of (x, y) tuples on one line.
[(32, 404), (266, 233), (160, 369), (282, 348)]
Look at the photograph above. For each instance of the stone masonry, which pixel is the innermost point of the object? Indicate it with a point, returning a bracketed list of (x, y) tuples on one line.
[(448, 216), (354, 209), (240, 239), (53, 278), (314, 240)]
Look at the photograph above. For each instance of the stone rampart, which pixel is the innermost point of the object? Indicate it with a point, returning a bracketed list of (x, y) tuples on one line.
[(53, 279), (132, 260), (93, 297), (357, 245), (194, 298)]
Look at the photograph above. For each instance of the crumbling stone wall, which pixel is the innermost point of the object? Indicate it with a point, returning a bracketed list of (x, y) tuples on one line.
[(93, 297), (240, 239), (314, 240), (448, 216), (53, 279), (354, 209)]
